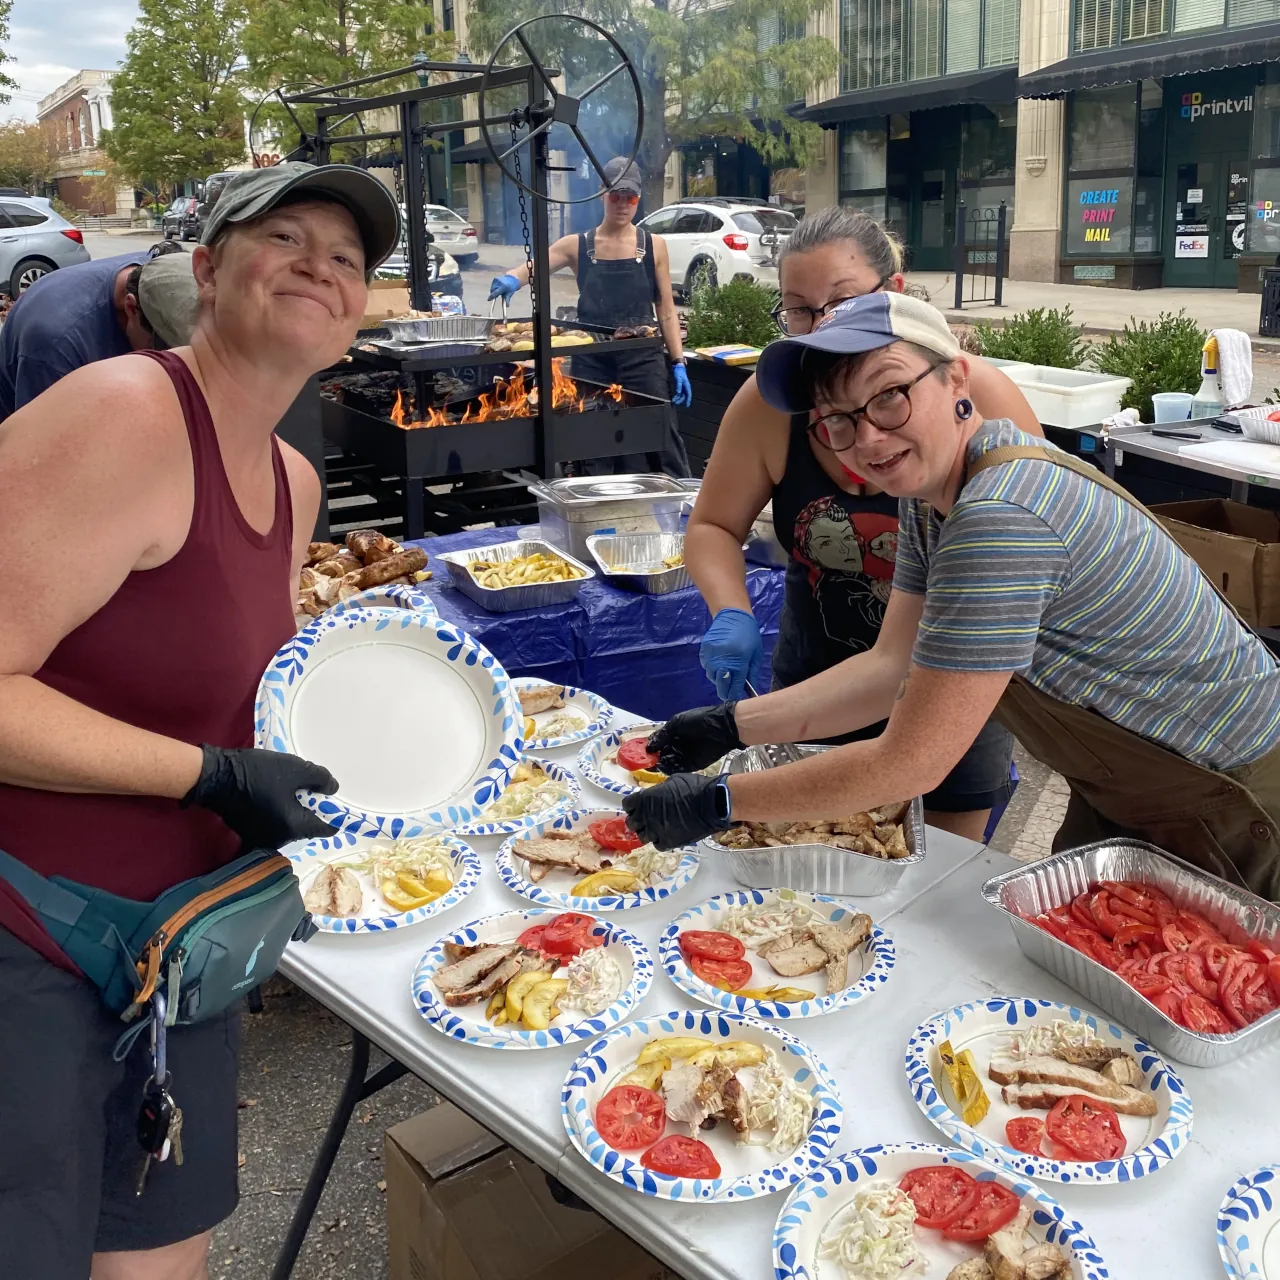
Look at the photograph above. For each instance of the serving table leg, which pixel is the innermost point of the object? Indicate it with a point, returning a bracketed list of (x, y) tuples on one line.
[(357, 1088)]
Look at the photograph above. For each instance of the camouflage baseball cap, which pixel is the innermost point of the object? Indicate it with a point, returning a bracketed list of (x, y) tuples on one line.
[(257, 191), (168, 297)]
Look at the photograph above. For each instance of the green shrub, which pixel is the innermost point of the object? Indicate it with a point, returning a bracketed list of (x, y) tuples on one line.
[(1038, 336), (738, 311), (1163, 356)]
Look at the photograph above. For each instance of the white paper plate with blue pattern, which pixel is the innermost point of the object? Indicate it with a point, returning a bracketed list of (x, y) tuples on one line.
[(596, 763), (984, 1027), (555, 888), (468, 1022), (1249, 1226), (507, 826), (415, 719), (388, 596), (747, 1170), (377, 915), (869, 966), (828, 1192), (580, 704)]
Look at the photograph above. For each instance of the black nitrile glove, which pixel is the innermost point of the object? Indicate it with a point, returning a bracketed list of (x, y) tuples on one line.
[(694, 739), (253, 792), (679, 811)]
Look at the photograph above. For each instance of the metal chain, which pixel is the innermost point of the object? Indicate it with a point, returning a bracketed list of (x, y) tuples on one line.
[(524, 217)]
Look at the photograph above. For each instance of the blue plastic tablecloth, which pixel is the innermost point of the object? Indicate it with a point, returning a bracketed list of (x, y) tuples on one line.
[(638, 651)]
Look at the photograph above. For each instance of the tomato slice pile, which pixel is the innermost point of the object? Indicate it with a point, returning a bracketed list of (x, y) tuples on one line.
[(682, 1157), (1175, 958), (613, 833), (568, 934), (947, 1199), (630, 1118), (634, 754), (1085, 1127), (716, 958)]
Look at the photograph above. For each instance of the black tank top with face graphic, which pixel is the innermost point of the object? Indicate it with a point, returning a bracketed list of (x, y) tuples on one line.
[(842, 550)]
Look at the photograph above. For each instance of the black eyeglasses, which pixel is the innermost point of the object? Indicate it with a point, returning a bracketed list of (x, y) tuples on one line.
[(795, 321), (887, 410)]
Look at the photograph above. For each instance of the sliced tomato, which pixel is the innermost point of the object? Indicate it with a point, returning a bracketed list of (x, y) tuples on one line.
[(1092, 944), (682, 1157), (1081, 912), (1051, 924), (635, 754), (1197, 975), (532, 937), (1239, 972), (1087, 1127), (1214, 954), (1273, 977), (1109, 922), (1257, 998), (940, 1193), (1025, 1133), (1175, 938), (1199, 1014), (730, 975), (1135, 939), (630, 1118), (994, 1207), (1259, 951), (570, 933), (713, 945), (1169, 1002), (613, 833), (1147, 984)]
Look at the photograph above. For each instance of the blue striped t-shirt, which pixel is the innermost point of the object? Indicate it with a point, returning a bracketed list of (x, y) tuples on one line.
[(1041, 571)]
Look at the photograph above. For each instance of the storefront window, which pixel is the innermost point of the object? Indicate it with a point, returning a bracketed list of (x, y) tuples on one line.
[(1149, 190), (874, 204), (1102, 129), (863, 155), (1264, 212), (1266, 118), (1099, 215)]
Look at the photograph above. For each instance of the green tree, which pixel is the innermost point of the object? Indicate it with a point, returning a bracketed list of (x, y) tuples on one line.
[(719, 69), (176, 101), (27, 155), (7, 82), (289, 44)]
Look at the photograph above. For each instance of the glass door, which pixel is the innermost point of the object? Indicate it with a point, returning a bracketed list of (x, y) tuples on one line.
[(1191, 259), (1234, 217)]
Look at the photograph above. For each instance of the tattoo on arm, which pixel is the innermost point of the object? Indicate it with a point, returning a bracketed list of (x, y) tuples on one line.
[(902, 688)]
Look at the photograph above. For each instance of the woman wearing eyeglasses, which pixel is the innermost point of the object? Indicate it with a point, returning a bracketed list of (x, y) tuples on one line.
[(840, 531), (624, 276)]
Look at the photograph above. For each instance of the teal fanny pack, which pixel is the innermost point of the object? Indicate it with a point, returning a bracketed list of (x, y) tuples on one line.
[(203, 943)]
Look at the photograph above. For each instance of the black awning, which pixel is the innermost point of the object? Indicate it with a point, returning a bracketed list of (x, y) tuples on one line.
[(1152, 60), (996, 84), (471, 153)]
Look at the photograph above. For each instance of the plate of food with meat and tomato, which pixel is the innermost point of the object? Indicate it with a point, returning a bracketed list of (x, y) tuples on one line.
[(620, 761), (1048, 1090), (894, 1212), (588, 859), (701, 1106), (532, 979)]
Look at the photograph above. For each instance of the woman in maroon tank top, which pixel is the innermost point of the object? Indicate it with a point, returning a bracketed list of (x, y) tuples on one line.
[(174, 524)]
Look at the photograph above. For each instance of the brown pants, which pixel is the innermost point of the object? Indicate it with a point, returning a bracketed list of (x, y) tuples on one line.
[(1124, 785)]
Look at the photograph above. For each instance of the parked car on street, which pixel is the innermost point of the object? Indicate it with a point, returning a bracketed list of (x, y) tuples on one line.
[(181, 219), (452, 233), (214, 185), (728, 237), (444, 273), (34, 240)]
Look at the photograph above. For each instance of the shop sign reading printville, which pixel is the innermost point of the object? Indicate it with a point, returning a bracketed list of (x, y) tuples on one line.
[(1101, 217), (1194, 107)]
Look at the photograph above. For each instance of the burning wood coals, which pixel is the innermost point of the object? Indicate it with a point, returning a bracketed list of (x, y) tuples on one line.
[(513, 397)]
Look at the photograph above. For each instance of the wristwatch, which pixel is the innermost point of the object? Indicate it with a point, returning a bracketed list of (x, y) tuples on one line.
[(724, 801)]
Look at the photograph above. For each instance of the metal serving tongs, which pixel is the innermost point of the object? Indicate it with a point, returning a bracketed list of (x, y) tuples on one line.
[(776, 752)]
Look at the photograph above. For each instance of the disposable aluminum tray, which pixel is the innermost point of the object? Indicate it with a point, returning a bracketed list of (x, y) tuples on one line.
[(435, 350), (616, 553), (508, 599), (1026, 892), (440, 328), (816, 868)]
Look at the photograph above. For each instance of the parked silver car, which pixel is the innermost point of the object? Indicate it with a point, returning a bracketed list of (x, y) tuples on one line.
[(34, 240)]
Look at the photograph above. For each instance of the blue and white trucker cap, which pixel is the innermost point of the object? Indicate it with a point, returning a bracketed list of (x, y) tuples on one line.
[(860, 324)]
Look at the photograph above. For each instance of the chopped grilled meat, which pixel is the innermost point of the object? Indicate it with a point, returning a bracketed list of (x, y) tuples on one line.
[(735, 1104), (568, 850), (1005, 1248), (334, 892), (1043, 1069), (454, 951), (1045, 1261), (1124, 1070), (970, 1269), (545, 697), (469, 969), (1043, 1096), (861, 833), (538, 962), (680, 1084), (837, 942), (889, 812), (492, 981), (803, 956)]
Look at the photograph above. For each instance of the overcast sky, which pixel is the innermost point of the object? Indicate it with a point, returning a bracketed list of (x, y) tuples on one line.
[(50, 41)]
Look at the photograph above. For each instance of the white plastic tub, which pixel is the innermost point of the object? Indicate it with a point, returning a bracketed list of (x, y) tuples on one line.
[(1069, 397), (1008, 366)]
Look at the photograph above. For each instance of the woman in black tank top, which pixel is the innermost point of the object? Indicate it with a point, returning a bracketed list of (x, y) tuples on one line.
[(842, 545)]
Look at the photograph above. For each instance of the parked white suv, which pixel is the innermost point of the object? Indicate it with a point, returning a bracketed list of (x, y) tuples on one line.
[(730, 237)]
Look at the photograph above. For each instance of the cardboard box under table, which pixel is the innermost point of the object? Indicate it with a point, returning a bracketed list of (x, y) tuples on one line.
[(1237, 546), (461, 1205)]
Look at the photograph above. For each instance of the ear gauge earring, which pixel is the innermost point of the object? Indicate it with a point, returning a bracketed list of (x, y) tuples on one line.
[(964, 409)]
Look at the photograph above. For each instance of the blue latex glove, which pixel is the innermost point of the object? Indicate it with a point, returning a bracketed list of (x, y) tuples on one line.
[(732, 653), (504, 287), (684, 392)]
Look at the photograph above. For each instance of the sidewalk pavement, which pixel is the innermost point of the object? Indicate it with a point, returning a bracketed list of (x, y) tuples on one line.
[(1104, 311)]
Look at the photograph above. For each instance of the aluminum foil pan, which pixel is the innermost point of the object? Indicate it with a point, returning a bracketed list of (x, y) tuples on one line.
[(440, 328), (507, 599), (1025, 892), (633, 561), (815, 868)]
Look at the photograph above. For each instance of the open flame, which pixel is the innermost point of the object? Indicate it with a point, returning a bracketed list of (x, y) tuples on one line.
[(510, 398)]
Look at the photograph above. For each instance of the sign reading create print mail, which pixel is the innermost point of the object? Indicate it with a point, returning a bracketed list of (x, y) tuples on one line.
[(1100, 215), (1195, 107)]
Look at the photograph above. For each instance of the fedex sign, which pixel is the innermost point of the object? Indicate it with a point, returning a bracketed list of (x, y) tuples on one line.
[(1194, 106)]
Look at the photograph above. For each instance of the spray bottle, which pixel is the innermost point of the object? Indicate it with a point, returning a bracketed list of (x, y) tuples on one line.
[(1208, 400)]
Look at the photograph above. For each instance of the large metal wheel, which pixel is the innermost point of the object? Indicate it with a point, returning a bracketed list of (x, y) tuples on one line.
[(555, 108)]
